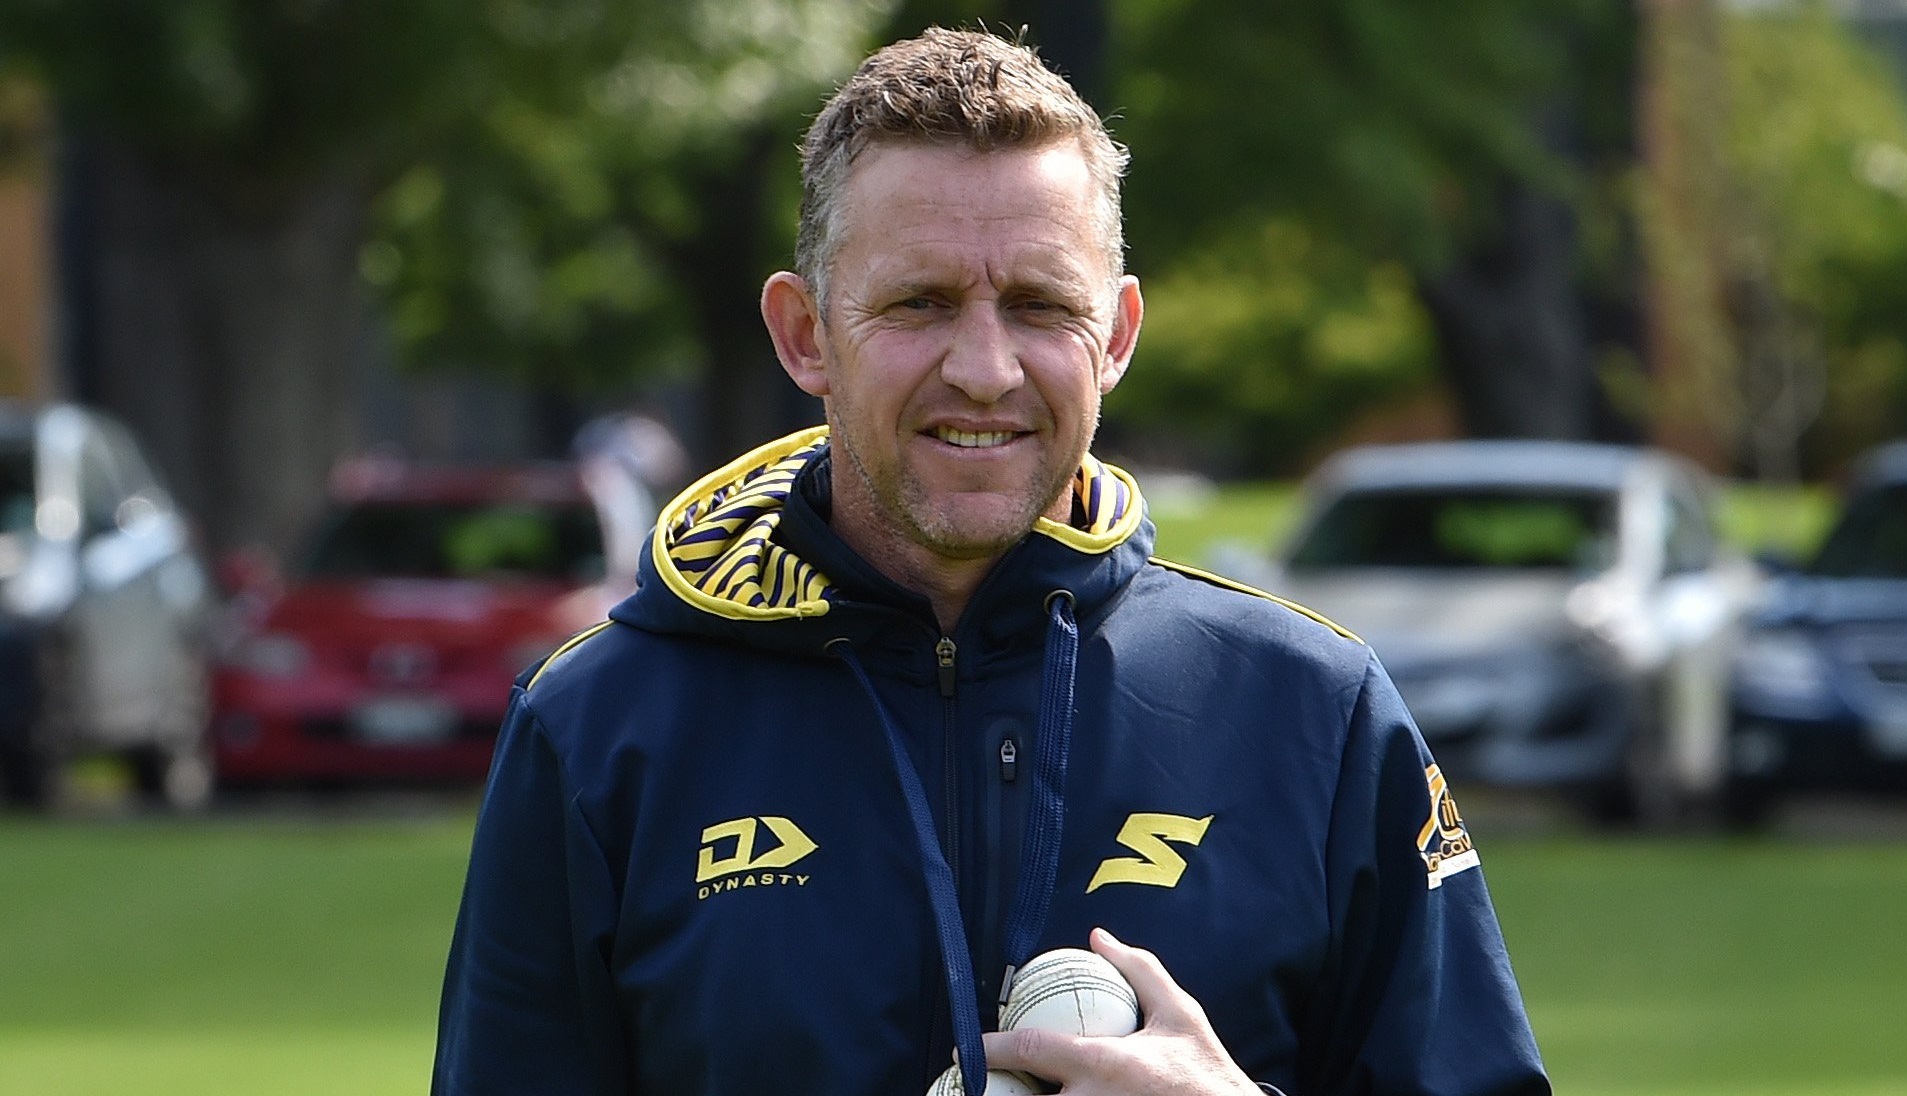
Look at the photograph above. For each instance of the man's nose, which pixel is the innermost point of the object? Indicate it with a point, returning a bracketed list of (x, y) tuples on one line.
[(982, 360)]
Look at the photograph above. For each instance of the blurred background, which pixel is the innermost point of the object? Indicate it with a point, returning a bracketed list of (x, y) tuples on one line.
[(348, 346)]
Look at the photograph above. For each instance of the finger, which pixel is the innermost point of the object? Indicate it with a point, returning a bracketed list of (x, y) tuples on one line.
[(1162, 1001), (1049, 1055)]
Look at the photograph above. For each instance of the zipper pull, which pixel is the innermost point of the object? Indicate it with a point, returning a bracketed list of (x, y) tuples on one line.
[(1009, 759), (1006, 982), (944, 655)]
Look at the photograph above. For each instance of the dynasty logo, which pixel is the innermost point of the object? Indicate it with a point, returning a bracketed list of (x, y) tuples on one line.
[(1444, 843), (721, 866)]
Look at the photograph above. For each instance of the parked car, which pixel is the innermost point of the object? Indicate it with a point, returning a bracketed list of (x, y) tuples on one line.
[(1555, 614), (387, 650), (1820, 683), (103, 607)]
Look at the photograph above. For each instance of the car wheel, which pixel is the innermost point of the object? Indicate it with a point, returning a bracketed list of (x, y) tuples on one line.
[(173, 777), (28, 778), (1748, 806), (1643, 792)]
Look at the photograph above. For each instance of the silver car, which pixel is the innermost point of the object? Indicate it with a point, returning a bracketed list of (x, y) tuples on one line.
[(103, 608), (1555, 614)]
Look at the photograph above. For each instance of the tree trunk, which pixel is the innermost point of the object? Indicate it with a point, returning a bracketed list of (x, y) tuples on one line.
[(1511, 327), (746, 398), (221, 316)]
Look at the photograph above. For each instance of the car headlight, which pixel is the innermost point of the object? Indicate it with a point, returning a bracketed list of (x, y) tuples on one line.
[(271, 654), (1785, 666)]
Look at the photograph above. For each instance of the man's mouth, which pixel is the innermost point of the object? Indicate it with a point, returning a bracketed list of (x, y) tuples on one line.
[(973, 439)]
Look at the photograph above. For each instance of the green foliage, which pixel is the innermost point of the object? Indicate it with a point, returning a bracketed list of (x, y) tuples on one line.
[(1378, 119), (1819, 142), (1299, 168), (279, 84), (556, 236), (1258, 349)]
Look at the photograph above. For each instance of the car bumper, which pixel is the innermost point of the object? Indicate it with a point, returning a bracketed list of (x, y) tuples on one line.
[(1574, 735), (1841, 754), (263, 737), (19, 680)]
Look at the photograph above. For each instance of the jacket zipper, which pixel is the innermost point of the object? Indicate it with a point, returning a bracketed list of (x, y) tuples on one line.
[(944, 655), (1001, 799)]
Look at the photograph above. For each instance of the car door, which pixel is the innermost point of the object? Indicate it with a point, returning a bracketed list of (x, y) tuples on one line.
[(130, 637), (108, 681), (1698, 610)]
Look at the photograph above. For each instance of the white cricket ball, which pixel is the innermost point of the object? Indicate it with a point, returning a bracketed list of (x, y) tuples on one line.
[(1071, 991), (1000, 1082)]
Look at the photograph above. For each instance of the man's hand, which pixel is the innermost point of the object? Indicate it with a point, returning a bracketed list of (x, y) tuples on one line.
[(1174, 1054)]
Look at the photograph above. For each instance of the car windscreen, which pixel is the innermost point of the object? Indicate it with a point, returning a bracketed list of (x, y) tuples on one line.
[(1463, 528), (463, 540), (1870, 540)]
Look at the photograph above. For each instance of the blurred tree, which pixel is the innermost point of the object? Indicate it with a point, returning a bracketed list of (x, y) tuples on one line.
[(617, 222), (218, 158), (1472, 144), (1771, 200), (565, 190), (1817, 144)]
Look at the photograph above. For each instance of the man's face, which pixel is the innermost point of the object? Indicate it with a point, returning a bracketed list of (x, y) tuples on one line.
[(972, 327)]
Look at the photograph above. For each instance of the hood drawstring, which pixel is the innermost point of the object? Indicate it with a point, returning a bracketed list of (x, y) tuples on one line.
[(945, 898), (1039, 848), (1039, 853)]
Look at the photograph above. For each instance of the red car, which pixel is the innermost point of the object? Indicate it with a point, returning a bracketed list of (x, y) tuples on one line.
[(386, 654)]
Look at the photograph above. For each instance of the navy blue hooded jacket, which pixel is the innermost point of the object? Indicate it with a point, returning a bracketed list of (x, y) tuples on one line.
[(694, 870)]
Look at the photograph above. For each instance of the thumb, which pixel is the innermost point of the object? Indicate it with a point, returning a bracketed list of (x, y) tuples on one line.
[(1163, 1003)]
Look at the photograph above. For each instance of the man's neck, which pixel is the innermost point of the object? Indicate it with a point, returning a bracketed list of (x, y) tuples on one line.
[(947, 583)]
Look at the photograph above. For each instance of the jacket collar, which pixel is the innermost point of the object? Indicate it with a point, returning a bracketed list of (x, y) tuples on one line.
[(746, 553)]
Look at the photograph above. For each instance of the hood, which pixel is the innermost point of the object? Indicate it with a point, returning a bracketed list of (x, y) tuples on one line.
[(1412, 614), (445, 613), (745, 554), (1812, 599)]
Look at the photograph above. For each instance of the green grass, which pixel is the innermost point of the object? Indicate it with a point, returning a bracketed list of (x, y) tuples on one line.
[(241, 956), (1709, 966), (223, 957), (1254, 516)]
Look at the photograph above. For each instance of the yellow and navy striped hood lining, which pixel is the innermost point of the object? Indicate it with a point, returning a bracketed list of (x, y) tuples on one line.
[(714, 545)]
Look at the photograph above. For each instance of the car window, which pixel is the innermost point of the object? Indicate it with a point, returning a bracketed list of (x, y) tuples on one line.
[(560, 541), (16, 491), (1870, 540), (101, 486), (1690, 544), (1463, 529)]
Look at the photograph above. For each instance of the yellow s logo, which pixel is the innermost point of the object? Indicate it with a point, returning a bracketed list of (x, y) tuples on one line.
[(1157, 864)]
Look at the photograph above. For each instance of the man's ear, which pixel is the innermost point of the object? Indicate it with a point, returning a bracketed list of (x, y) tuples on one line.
[(794, 323), (1129, 308)]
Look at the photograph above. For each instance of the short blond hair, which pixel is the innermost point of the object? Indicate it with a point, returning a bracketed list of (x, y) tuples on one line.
[(948, 87)]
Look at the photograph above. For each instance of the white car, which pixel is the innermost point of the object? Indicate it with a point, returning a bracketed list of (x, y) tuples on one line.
[(103, 610), (1555, 614)]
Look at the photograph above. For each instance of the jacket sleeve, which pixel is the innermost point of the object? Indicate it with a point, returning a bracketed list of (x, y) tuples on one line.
[(1418, 998), (529, 1005)]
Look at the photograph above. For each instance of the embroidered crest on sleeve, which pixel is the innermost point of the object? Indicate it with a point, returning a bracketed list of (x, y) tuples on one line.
[(1443, 842)]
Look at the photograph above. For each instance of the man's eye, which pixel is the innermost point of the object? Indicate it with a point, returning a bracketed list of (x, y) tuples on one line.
[(1039, 306), (916, 304)]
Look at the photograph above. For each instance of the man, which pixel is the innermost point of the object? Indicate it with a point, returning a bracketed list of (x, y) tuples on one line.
[(904, 701)]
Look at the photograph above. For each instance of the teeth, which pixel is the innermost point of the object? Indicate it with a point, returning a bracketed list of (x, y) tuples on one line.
[(986, 439)]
